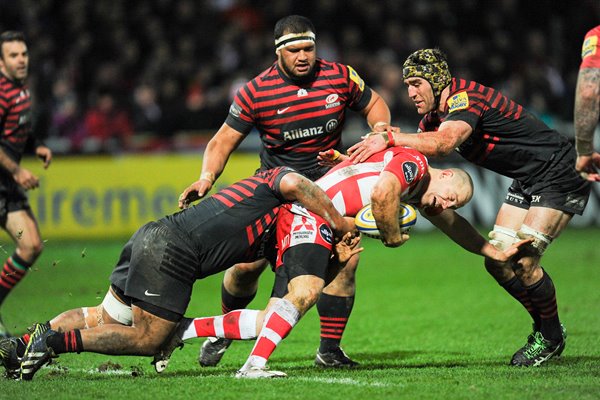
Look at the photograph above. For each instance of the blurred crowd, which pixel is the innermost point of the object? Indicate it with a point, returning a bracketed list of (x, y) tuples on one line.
[(112, 76)]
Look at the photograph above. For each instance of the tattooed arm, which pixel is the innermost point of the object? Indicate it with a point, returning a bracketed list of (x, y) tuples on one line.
[(586, 114), (295, 187)]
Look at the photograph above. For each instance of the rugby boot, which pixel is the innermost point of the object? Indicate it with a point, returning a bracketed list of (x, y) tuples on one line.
[(212, 351), (37, 353), (334, 359), (538, 350), (9, 358), (161, 360), (259, 373)]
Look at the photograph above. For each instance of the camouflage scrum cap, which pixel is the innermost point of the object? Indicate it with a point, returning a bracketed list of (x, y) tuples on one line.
[(431, 65)]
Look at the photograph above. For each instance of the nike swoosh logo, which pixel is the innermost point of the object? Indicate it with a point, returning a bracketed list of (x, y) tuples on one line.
[(147, 293), (282, 110)]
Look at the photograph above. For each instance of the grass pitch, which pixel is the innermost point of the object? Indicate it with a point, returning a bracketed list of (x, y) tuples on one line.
[(428, 322)]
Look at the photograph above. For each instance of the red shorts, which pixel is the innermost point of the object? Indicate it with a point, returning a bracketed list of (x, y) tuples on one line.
[(296, 226)]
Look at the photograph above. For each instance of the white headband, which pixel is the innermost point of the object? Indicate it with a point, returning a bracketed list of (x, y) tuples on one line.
[(294, 38)]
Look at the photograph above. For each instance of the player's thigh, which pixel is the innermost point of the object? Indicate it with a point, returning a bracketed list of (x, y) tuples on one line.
[(547, 220), (511, 217)]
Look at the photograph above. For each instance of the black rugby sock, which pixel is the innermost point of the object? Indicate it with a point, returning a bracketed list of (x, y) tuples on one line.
[(65, 342), (515, 288), (334, 312), (543, 297), (230, 302)]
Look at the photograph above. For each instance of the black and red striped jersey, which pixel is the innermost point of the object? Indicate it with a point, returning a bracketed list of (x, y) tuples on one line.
[(234, 224), (506, 138), (15, 117), (297, 120)]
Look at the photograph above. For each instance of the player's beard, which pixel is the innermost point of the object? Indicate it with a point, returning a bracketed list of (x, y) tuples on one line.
[(289, 71)]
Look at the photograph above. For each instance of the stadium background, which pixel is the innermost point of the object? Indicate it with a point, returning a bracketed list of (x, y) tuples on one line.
[(164, 72), (428, 324)]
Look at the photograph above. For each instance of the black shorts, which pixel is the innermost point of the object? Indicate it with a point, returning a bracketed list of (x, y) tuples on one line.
[(303, 259), (12, 197), (150, 269), (561, 188)]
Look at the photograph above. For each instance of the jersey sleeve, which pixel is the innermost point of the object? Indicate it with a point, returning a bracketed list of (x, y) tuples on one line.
[(360, 93), (464, 106), (274, 176), (241, 116), (408, 169), (590, 51), (429, 123)]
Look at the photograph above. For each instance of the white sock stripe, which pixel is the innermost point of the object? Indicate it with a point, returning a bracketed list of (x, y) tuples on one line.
[(271, 335), (287, 311), (218, 324), (247, 324)]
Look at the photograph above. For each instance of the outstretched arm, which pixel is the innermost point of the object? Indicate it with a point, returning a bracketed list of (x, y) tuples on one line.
[(432, 144), (217, 152), (464, 234)]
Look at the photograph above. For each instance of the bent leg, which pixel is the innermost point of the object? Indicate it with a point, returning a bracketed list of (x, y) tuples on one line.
[(23, 229), (142, 338)]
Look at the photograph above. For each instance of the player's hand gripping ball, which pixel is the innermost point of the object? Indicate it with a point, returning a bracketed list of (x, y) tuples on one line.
[(365, 223)]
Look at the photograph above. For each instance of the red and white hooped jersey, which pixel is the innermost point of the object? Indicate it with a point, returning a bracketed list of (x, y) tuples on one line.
[(349, 185)]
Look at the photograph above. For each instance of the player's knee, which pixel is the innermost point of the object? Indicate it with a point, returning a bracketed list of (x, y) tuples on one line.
[(246, 273), (538, 246), (307, 298), (112, 310), (502, 238)]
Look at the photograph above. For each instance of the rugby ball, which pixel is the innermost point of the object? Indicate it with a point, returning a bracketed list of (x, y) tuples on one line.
[(365, 223)]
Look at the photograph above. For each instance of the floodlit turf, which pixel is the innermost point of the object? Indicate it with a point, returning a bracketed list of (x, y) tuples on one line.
[(428, 323)]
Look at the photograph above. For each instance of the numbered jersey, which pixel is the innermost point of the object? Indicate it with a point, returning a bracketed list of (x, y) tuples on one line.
[(349, 185)]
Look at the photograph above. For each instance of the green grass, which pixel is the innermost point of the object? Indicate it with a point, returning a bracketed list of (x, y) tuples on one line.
[(428, 323)]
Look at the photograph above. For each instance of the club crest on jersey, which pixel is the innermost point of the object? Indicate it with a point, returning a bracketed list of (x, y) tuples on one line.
[(459, 101), (325, 233), (332, 101), (409, 169), (356, 78), (589, 46), (302, 93)]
